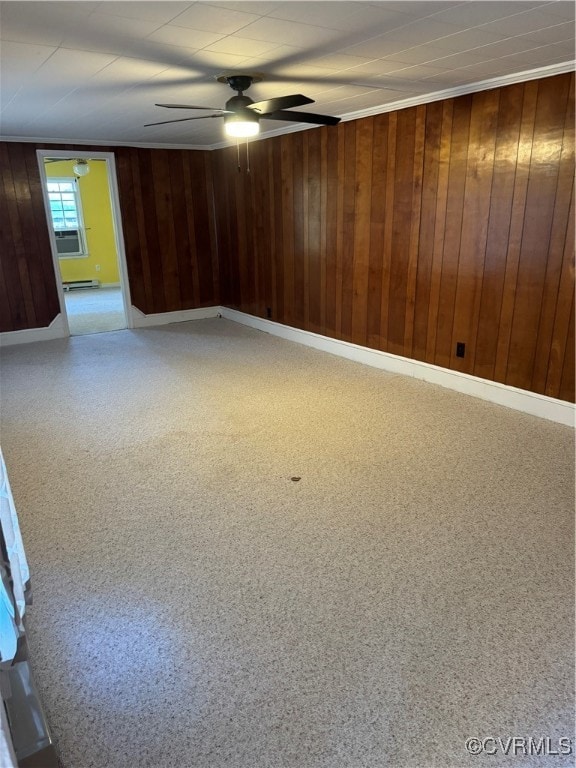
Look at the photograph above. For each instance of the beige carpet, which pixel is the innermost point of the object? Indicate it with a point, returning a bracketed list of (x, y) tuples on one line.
[(94, 310), (197, 607)]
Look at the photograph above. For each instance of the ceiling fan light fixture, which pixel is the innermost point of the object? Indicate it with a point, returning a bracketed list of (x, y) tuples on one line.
[(81, 167), (241, 126)]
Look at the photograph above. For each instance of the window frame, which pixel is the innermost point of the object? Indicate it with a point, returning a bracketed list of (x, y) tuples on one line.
[(82, 253)]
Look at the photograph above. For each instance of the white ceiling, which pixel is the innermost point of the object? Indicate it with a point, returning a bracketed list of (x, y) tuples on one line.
[(92, 71)]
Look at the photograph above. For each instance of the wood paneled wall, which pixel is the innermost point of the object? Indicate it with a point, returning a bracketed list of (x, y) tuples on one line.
[(414, 230), (167, 215), (166, 201), (28, 297), (406, 232)]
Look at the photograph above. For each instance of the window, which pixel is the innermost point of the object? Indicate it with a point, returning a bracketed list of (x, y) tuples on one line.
[(66, 213)]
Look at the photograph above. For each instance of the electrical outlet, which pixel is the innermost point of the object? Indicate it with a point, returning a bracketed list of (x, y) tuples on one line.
[(460, 349)]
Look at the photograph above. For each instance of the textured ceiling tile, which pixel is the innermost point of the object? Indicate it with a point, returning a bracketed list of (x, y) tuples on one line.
[(218, 60), (68, 66), (150, 52), (184, 37), (340, 15), (241, 46), (471, 14), (160, 12), (41, 23), (561, 9), (522, 23), (211, 18), (23, 58), (280, 31)]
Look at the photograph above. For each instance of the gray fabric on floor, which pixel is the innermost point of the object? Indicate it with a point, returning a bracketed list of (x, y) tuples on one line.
[(94, 310), (194, 606)]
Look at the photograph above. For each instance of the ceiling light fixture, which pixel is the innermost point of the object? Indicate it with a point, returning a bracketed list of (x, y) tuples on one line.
[(241, 125), (81, 167)]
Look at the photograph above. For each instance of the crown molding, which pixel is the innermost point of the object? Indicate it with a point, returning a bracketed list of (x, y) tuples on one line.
[(412, 101), (100, 143), (428, 98), (463, 90)]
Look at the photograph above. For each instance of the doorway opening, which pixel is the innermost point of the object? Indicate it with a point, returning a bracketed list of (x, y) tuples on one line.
[(83, 215)]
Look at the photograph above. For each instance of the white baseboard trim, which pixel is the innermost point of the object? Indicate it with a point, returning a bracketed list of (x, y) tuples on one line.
[(56, 330), (140, 320), (549, 408), (544, 407)]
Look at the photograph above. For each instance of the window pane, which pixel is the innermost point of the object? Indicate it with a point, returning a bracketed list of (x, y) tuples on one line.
[(64, 204)]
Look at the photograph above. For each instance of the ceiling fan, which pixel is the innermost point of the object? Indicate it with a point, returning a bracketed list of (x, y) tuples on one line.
[(242, 115)]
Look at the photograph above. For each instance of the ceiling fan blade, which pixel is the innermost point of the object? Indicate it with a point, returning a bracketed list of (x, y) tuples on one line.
[(189, 106), (302, 117), (181, 120), (281, 102)]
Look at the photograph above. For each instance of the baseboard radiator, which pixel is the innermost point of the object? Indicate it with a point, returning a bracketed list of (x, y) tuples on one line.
[(72, 285)]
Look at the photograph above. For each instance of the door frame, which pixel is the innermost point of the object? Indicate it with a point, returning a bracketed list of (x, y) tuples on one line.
[(77, 154)]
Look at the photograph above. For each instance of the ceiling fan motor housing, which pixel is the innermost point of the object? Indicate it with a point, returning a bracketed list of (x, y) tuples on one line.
[(239, 82), (237, 103)]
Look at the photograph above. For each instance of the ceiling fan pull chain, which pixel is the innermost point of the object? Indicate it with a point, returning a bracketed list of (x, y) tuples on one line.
[(247, 157), (238, 151)]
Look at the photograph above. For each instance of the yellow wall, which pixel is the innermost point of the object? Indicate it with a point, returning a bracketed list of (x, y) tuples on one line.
[(97, 214)]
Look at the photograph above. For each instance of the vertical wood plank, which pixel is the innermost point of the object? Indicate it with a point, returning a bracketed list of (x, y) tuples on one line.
[(401, 228), (189, 185), (412, 267), (133, 227), (42, 273), (497, 241), (299, 225), (332, 229), (559, 236), (377, 229), (430, 176), (278, 212), (340, 225), (348, 228), (562, 339), (204, 245), (539, 211), (14, 179), (522, 169), (453, 229), (323, 211), (287, 176), (567, 383), (477, 193), (314, 232), (439, 230), (388, 229), (183, 245), (361, 243), (15, 318)]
